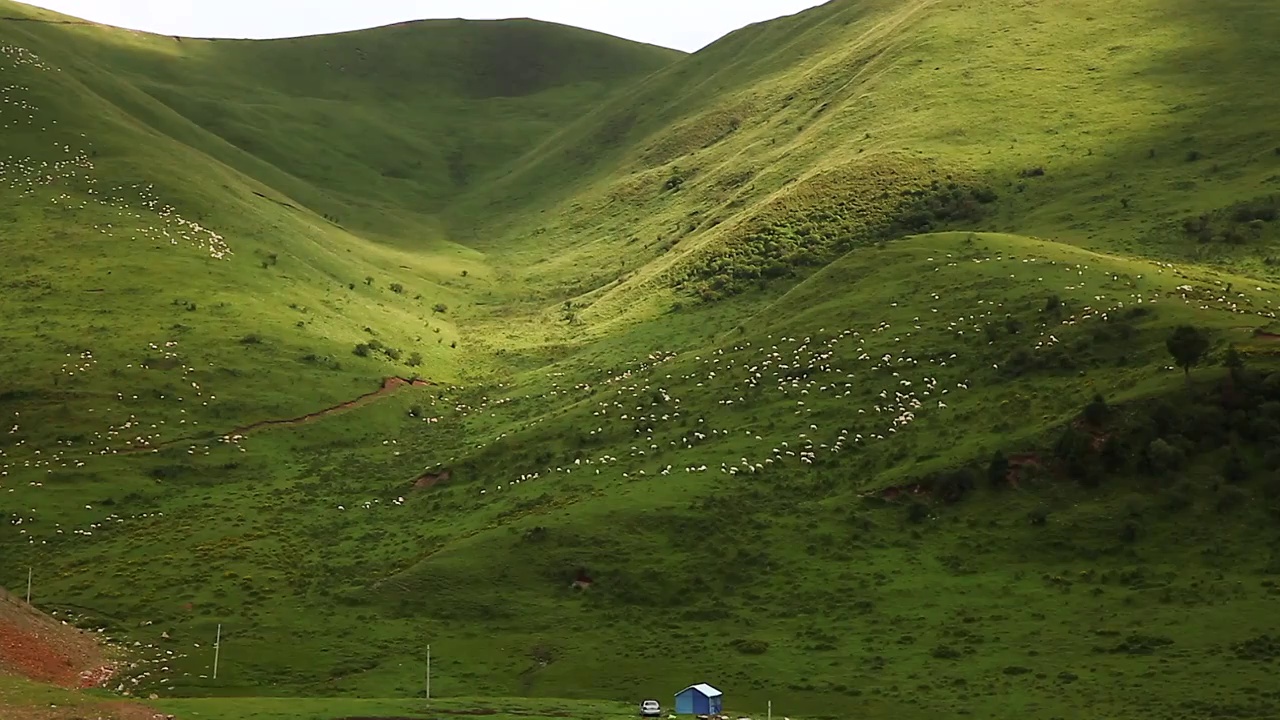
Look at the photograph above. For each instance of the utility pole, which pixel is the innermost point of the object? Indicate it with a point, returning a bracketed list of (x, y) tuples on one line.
[(428, 671), (770, 710), (217, 650), (30, 572)]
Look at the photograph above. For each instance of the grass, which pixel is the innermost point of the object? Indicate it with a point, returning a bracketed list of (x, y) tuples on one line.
[(685, 319)]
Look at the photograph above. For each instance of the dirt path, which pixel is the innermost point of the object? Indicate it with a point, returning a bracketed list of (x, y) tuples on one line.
[(389, 386)]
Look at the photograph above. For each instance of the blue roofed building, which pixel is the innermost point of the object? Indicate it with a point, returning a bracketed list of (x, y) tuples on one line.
[(700, 699)]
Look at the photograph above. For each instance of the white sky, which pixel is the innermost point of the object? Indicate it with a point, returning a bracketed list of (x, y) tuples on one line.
[(683, 24)]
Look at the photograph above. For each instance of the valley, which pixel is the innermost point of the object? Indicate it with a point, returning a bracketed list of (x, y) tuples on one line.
[(832, 365)]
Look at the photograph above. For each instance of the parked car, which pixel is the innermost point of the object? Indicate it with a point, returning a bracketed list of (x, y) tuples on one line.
[(650, 709)]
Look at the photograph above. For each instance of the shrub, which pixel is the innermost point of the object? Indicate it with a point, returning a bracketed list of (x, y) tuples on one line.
[(1163, 457), (917, 512), (750, 647), (1039, 516), (1271, 488), (1230, 499), (1129, 532), (998, 470), (1096, 412), (945, 652), (362, 349), (397, 288), (953, 486), (393, 353), (1179, 497), (368, 280), (1032, 172), (415, 359), (251, 339), (440, 308), (1235, 470)]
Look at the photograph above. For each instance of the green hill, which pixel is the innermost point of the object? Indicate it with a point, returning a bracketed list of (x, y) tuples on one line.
[(827, 365)]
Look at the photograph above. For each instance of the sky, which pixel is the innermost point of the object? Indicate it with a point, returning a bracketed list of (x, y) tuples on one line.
[(683, 24)]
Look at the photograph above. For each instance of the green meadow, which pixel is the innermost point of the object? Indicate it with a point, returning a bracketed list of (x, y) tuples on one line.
[(830, 365)]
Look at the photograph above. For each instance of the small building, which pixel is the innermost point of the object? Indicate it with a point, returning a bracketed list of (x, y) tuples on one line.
[(700, 699)]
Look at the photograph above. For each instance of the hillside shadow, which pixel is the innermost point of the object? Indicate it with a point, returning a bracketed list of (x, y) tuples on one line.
[(1208, 138)]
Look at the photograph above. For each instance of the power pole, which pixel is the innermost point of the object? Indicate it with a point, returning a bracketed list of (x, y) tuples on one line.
[(30, 572), (428, 671), (217, 650)]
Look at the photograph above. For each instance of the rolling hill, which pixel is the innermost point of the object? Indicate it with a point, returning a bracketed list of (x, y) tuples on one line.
[(828, 365)]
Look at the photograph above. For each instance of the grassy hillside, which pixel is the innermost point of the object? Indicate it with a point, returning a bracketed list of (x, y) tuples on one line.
[(827, 365)]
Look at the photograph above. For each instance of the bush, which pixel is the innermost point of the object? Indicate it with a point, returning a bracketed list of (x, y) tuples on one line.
[(1039, 516), (1235, 470), (440, 308), (393, 353), (945, 652), (1129, 532), (1177, 498), (1096, 412), (415, 359), (750, 647), (953, 486), (1271, 488), (917, 512), (251, 339), (1163, 457), (998, 470), (362, 349), (397, 288), (1231, 498)]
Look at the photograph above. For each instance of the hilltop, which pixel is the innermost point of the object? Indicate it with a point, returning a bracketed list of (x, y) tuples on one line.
[(827, 365)]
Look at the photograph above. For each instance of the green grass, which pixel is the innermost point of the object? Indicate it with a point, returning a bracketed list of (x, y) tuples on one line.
[(820, 235), (327, 709)]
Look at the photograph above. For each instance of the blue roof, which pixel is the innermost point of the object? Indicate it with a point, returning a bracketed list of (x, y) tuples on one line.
[(704, 689)]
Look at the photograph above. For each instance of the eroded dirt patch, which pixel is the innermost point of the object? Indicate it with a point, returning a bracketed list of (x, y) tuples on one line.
[(37, 647)]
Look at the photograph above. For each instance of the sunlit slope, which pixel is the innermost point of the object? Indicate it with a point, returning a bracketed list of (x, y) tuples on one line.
[(371, 127), (1101, 126), (146, 214), (706, 477)]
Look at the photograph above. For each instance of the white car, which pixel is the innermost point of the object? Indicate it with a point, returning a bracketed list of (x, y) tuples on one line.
[(650, 709)]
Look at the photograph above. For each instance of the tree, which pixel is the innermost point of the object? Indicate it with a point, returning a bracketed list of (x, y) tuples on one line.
[(1095, 413), (1234, 362), (1187, 345), (998, 470)]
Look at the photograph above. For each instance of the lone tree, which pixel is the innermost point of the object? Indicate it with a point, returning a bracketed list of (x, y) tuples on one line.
[(1187, 345), (998, 470)]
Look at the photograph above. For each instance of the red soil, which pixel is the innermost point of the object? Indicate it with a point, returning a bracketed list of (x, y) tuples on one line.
[(432, 479), (42, 649)]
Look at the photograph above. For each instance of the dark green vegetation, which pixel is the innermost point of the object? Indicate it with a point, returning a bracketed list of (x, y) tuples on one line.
[(687, 318)]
